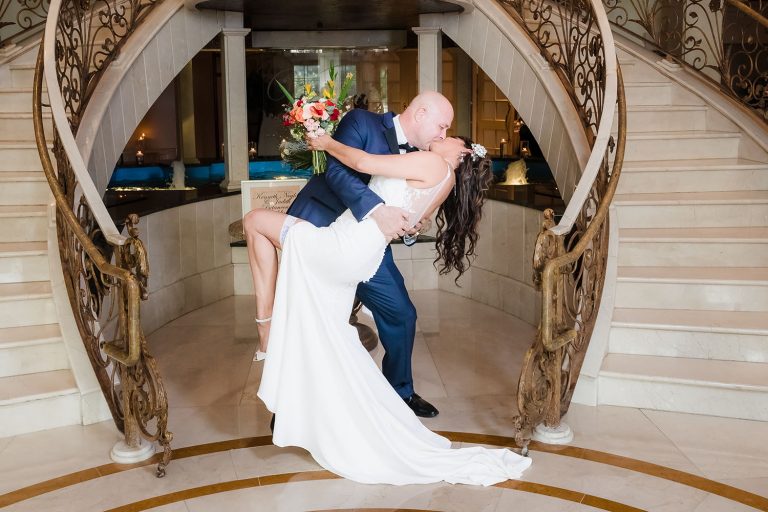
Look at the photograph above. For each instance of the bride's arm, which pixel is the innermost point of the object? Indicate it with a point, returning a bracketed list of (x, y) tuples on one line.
[(422, 166)]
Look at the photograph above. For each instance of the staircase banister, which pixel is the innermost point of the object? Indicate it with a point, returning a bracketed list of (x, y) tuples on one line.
[(749, 12), (552, 341), (603, 137), (131, 355), (62, 126)]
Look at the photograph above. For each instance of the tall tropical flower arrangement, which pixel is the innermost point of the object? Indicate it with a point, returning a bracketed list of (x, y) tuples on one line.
[(312, 115)]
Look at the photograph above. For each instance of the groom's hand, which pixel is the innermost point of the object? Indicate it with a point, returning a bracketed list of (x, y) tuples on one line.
[(423, 226), (392, 221)]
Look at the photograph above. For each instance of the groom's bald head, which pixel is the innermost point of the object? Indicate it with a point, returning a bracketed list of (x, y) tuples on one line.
[(427, 119)]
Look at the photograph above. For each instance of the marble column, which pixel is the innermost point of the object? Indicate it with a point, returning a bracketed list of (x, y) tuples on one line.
[(185, 100), (235, 107), (430, 58)]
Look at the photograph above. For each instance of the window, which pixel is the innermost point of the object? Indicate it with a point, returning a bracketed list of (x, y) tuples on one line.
[(304, 74)]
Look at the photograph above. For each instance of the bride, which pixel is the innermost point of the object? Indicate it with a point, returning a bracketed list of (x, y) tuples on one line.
[(327, 393)]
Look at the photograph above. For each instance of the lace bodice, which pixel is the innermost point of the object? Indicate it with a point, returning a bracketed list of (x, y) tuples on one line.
[(397, 192)]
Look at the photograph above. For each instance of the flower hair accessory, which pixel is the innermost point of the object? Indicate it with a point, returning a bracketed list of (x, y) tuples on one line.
[(478, 151)]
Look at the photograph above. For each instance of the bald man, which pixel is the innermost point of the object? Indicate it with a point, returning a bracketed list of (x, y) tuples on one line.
[(328, 195)]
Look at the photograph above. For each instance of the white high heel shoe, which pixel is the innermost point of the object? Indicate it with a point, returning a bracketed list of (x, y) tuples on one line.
[(259, 355)]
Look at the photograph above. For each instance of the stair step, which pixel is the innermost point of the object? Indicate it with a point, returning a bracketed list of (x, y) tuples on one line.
[(723, 335), (696, 288), (651, 118), (24, 188), (19, 126), (16, 99), (21, 336), (20, 156), (23, 75), (38, 401), (702, 175), (648, 93), (720, 388), (26, 304), (693, 209), (690, 144), (700, 247), (23, 261), (23, 223), (33, 349)]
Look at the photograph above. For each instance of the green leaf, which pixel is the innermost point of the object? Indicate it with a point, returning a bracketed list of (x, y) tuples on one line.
[(288, 95)]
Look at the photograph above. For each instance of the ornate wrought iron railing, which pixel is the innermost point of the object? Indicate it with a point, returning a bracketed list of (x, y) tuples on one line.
[(725, 41), (20, 19), (570, 258), (105, 272)]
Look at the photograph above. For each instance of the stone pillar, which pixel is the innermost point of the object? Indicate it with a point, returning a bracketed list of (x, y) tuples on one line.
[(235, 108), (185, 101), (430, 58)]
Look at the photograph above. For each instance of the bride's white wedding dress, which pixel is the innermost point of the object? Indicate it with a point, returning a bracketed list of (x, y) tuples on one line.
[(327, 393)]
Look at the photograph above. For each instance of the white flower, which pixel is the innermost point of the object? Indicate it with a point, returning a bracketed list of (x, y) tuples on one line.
[(478, 151)]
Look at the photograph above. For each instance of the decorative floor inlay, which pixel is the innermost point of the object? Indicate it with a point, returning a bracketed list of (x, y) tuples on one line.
[(680, 477), (207, 490)]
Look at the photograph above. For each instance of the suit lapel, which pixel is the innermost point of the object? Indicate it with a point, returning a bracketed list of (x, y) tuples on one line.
[(389, 132), (391, 136)]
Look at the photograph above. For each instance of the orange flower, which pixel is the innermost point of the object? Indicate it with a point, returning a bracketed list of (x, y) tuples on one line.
[(297, 114), (318, 110)]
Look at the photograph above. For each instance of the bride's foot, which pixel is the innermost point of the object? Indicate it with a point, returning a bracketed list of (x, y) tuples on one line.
[(262, 327)]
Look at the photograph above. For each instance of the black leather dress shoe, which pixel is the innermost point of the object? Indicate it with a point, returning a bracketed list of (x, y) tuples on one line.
[(421, 407)]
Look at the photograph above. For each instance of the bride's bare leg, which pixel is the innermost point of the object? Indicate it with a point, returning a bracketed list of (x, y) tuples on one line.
[(262, 233)]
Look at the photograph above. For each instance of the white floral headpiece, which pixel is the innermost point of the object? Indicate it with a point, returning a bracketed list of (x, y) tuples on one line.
[(478, 151)]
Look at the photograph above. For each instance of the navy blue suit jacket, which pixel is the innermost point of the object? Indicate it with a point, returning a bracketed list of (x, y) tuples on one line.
[(327, 195)]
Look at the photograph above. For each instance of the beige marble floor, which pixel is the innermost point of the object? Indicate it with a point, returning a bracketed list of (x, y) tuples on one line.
[(466, 361)]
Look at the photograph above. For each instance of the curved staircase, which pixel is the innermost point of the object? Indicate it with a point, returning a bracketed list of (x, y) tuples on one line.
[(689, 330), (38, 389)]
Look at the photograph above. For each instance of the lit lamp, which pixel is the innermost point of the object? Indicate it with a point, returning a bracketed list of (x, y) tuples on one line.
[(502, 147), (252, 151), (525, 149), (140, 149)]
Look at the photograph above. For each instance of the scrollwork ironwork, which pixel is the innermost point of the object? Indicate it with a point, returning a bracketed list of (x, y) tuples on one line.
[(568, 268), (89, 36), (105, 297), (19, 18), (567, 36), (724, 40)]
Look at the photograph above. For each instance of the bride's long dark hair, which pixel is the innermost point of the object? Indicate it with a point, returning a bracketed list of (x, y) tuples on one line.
[(460, 213)]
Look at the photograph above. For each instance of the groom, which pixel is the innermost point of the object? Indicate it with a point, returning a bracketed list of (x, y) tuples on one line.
[(328, 195)]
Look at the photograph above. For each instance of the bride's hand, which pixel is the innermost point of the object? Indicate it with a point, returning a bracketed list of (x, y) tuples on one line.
[(319, 143)]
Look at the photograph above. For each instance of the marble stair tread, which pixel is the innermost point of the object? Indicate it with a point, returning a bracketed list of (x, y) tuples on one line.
[(29, 335), (736, 275), (683, 134), (741, 322), (8, 249), (15, 176), (20, 291), (729, 197), (706, 372), (36, 386), (714, 234), (26, 210), (703, 164), (665, 108), (21, 144)]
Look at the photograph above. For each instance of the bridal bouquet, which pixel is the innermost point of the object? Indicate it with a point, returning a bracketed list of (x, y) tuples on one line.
[(312, 115)]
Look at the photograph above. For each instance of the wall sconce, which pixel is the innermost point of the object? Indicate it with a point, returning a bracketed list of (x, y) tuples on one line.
[(252, 152), (140, 149), (525, 149)]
